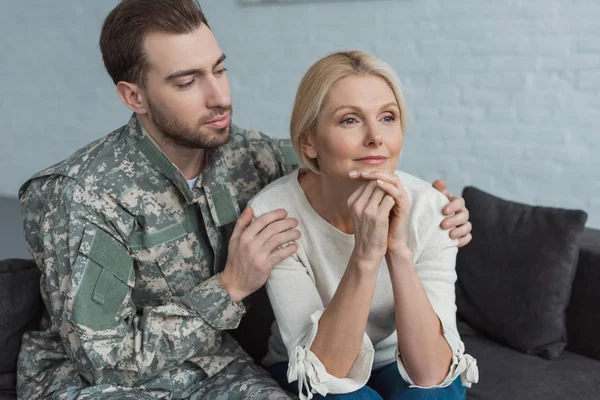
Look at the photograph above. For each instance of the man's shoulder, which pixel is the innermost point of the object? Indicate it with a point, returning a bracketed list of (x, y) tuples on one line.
[(261, 144), (252, 154), (240, 134), (101, 154), (90, 163), (248, 149)]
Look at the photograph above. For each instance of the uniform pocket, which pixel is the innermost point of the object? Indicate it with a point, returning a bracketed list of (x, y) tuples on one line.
[(106, 282)]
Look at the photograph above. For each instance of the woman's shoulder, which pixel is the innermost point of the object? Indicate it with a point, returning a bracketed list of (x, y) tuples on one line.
[(277, 194), (420, 191), (426, 204)]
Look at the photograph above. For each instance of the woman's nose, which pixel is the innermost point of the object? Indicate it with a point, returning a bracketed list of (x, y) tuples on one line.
[(373, 136)]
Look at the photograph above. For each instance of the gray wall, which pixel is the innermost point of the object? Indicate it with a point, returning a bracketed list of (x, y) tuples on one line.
[(504, 95)]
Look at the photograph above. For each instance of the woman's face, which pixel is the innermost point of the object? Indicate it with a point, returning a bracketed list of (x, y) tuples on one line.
[(358, 128)]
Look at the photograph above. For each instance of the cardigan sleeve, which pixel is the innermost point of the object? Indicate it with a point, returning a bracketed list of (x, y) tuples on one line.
[(436, 269), (298, 309)]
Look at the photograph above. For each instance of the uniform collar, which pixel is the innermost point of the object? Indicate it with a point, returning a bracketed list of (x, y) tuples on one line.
[(215, 179)]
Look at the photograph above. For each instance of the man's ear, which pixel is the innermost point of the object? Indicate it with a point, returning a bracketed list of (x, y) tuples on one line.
[(132, 95), (309, 148)]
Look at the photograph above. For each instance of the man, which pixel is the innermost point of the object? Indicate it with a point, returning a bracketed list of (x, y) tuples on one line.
[(144, 266)]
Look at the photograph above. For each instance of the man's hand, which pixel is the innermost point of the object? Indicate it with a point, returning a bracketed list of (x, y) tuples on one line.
[(254, 249), (458, 219)]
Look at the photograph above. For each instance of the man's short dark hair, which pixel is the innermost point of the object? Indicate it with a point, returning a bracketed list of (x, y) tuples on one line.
[(125, 28)]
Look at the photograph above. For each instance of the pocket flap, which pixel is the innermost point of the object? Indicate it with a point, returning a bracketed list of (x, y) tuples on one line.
[(106, 281), (109, 253)]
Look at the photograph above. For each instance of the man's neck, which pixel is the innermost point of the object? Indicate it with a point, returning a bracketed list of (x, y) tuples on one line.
[(189, 161)]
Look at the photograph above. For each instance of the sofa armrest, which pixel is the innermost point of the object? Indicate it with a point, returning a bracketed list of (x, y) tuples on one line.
[(583, 315), (21, 307)]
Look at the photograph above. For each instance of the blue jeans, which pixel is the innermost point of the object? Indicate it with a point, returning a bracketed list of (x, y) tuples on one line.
[(384, 384)]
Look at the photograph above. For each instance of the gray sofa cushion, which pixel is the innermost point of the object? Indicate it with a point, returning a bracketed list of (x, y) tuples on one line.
[(508, 374), (21, 307), (583, 313), (7, 386), (515, 277)]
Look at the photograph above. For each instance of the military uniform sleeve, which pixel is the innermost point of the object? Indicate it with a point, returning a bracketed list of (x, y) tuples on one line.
[(88, 276)]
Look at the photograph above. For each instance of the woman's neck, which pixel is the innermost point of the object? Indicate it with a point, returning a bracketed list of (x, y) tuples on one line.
[(329, 198)]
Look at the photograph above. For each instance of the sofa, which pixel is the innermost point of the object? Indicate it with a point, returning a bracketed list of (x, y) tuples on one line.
[(508, 368)]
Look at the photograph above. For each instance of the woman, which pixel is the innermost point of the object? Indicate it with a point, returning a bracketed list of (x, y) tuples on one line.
[(365, 308)]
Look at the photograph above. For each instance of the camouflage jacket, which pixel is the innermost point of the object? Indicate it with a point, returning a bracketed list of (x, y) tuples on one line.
[(129, 256)]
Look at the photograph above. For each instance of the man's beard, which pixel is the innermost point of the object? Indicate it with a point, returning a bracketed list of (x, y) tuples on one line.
[(181, 134)]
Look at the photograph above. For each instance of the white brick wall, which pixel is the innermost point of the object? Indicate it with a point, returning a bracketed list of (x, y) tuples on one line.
[(504, 95)]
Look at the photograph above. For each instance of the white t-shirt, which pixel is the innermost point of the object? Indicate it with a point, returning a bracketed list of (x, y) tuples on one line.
[(301, 287), (192, 182)]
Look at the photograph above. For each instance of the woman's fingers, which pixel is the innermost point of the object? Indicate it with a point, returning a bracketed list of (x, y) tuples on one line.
[(387, 203), (391, 189), (356, 195), (363, 198), (379, 174), (375, 199)]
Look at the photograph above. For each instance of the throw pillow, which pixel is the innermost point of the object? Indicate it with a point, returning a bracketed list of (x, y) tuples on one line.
[(514, 278)]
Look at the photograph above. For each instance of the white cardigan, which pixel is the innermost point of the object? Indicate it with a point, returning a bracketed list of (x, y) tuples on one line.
[(301, 287)]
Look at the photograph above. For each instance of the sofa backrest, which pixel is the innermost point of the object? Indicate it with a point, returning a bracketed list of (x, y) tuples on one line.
[(12, 244)]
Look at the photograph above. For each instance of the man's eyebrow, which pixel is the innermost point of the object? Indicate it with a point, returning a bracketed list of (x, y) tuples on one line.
[(184, 72), (193, 71), (220, 60)]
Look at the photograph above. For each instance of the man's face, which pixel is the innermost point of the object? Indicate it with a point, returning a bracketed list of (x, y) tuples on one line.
[(186, 91)]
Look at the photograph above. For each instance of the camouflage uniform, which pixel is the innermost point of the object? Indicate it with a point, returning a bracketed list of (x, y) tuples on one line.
[(129, 256)]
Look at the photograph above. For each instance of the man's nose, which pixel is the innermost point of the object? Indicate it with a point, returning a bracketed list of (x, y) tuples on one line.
[(218, 94)]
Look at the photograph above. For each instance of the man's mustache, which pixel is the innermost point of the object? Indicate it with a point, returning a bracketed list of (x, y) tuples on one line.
[(215, 113)]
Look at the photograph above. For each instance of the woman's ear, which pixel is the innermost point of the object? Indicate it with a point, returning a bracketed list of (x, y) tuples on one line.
[(309, 148)]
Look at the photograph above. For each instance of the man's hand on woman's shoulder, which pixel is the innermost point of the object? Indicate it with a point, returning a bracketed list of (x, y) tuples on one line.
[(458, 216), (255, 248)]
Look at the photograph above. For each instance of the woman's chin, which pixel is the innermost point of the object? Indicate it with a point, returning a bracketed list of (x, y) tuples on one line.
[(381, 167)]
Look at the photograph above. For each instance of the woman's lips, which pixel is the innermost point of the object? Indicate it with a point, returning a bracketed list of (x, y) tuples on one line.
[(372, 160)]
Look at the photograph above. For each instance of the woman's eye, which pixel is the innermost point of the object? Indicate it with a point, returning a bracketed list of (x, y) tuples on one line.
[(185, 85), (389, 118), (349, 121)]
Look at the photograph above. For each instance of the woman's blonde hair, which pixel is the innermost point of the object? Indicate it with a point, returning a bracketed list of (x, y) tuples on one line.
[(317, 83)]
